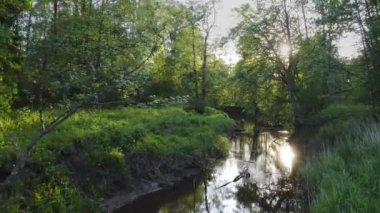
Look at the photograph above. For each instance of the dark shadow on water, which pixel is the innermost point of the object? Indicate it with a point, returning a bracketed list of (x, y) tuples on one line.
[(268, 198), (153, 203)]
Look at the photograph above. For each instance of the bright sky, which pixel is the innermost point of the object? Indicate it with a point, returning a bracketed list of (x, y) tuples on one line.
[(226, 19), (349, 45)]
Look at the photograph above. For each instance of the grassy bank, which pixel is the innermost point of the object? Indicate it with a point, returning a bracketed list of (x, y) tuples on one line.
[(345, 176), (89, 155)]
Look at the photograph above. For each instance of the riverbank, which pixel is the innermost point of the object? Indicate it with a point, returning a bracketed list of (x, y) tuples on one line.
[(98, 156), (340, 173), (345, 178)]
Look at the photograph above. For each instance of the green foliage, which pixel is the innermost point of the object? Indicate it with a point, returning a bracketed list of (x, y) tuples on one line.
[(103, 51), (59, 197), (323, 77), (264, 98), (173, 66), (109, 52), (333, 121), (7, 157), (104, 140), (336, 113), (10, 55), (176, 133), (52, 196), (346, 179), (135, 131), (310, 76)]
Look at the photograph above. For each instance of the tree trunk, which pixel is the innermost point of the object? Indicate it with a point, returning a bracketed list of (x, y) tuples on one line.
[(40, 109), (290, 71), (195, 73), (291, 86), (204, 73), (22, 158), (55, 16), (367, 55), (304, 18), (28, 32)]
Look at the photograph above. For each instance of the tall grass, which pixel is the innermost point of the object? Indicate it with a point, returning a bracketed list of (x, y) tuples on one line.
[(347, 178)]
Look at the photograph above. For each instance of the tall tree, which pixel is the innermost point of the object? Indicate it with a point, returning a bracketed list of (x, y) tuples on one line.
[(208, 23), (10, 48), (275, 38), (360, 17), (202, 16), (83, 48)]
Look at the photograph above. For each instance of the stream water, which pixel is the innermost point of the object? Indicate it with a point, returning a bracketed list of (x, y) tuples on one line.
[(270, 187)]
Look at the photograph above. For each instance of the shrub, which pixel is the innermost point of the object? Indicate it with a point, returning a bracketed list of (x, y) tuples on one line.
[(342, 112)]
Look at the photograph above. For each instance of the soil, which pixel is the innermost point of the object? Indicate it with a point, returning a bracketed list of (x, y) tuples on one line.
[(145, 175), (152, 174)]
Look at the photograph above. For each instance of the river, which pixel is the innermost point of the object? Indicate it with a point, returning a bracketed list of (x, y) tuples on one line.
[(269, 188)]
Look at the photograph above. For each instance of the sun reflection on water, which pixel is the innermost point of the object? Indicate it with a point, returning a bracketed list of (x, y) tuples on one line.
[(269, 160), (287, 156)]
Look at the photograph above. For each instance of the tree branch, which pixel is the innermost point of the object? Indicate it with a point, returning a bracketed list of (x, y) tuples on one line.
[(23, 156)]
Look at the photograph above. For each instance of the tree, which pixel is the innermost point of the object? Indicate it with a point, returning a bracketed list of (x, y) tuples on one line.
[(186, 56), (202, 16), (367, 18), (209, 11), (361, 17), (275, 37), (81, 48), (325, 78), (10, 52)]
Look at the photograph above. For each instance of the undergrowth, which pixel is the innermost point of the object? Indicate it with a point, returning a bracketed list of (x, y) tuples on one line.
[(346, 177), (102, 140)]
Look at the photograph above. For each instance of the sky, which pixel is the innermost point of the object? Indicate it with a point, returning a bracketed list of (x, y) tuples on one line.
[(349, 45), (227, 18)]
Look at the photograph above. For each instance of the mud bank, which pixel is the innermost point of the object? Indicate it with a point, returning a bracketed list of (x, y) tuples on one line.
[(154, 174)]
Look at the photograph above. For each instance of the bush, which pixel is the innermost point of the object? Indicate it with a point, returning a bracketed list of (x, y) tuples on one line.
[(342, 112), (334, 121)]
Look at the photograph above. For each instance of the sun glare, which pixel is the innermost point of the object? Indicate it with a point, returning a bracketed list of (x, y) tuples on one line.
[(284, 50), (287, 156)]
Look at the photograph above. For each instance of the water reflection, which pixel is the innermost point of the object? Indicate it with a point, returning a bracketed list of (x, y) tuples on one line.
[(269, 160), (287, 156)]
